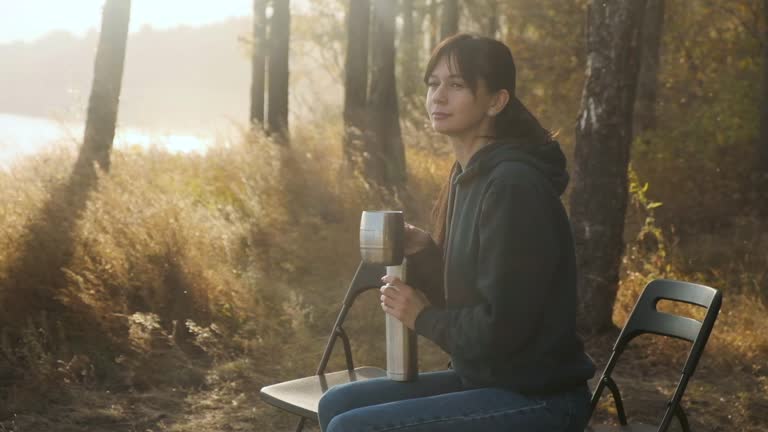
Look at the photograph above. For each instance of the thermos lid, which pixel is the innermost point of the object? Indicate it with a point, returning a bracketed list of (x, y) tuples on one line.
[(382, 235)]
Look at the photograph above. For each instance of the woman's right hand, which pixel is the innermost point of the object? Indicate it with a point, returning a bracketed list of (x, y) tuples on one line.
[(416, 239)]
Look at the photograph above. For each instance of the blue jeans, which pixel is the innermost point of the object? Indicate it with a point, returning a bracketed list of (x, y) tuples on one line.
[(437, 401)]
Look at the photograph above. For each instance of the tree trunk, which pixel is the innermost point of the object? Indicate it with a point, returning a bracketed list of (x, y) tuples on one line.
[(763, 141), (434, 23), (598, 200), (279, 35), (409, 46), (493, 18), (647, 84), (388, 163), (258, 62), (107, 82), (423, 34), (449, 18), (356, 85)]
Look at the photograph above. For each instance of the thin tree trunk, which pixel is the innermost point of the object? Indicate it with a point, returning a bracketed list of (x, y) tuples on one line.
[(647, 85), (356, 85), (107, 82), (420, 19), (763, 142), (277, 106), (434, 24), (598, 200), (493, 18), (384, 117), (449, 18), (258, 62), (410, 50)]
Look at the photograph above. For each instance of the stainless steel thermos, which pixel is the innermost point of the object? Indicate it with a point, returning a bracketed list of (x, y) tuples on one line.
[(382, 239)]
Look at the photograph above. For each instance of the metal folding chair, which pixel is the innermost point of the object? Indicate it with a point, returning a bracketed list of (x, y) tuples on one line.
[(645, 318), (301, 396)]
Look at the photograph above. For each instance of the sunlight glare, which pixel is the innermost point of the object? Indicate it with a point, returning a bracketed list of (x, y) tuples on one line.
[(23, 20)]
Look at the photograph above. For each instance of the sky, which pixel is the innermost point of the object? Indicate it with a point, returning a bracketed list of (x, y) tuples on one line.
[(30, 19)]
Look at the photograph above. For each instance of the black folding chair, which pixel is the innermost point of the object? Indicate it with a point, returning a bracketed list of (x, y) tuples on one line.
[(301, 396), (645, 318)]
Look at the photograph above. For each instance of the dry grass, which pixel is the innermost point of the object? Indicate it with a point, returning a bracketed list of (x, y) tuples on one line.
[(185, 283)]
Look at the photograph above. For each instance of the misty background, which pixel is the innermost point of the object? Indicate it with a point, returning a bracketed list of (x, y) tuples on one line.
[(182, 88)]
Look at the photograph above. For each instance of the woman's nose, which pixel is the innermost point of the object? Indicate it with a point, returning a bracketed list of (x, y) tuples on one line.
[(438, 96)]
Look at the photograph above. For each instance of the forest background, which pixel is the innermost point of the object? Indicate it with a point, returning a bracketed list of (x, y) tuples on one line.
[(159, 291)]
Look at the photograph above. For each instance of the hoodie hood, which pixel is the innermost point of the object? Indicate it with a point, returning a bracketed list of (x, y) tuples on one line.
[(546, 158)]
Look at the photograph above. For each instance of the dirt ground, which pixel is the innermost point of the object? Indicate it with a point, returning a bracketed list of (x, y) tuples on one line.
[(717, 398)]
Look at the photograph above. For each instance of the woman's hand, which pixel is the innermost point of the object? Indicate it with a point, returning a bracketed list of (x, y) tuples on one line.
[(402, 301), (416, 239)]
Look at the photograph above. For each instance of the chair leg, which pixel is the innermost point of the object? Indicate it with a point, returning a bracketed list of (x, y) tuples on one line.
[(300, 424), (617, 400), (683, 419)]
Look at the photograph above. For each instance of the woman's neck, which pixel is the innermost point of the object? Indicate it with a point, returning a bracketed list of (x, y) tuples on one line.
[(464, 150), (464, 147)]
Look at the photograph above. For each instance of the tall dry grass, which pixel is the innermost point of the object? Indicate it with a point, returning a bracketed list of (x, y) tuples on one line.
[(180, 260)]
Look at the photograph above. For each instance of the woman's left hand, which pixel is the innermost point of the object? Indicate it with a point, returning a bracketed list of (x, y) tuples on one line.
[(402, 301)]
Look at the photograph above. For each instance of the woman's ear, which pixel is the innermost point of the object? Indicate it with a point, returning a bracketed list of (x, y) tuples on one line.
[(498, 101)]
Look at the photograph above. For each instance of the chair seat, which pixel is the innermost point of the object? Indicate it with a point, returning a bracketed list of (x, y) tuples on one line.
[(637, 427), (301, 396)]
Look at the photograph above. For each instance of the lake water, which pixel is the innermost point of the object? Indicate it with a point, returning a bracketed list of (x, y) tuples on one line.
[(22, 136)]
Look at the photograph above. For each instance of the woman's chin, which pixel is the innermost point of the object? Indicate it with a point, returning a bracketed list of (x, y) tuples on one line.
[(441, 128)]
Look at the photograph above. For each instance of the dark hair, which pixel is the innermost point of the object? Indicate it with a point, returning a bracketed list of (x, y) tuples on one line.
[(478, 58)]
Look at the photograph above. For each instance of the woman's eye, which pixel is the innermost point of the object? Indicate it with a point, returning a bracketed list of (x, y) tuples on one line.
[(457, 85), (432, 84)]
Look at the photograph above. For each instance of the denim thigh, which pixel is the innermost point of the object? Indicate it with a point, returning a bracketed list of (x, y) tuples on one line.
[(486, 409), (347, 397)]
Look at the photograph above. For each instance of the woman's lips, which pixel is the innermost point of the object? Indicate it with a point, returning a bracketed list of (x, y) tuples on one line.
[(440, 116)]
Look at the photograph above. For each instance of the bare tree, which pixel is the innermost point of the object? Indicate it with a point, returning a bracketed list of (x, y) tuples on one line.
[(410, 50), (598, 200), (434, 23), (763, 141), (258, 61), (449, 18), (356, 84), (492, 25), (647, 84), (107, 82), (386, 143), (36, 276), (279, 35)]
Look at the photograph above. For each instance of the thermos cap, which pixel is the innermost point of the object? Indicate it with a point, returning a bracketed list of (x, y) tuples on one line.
[(382, 235)]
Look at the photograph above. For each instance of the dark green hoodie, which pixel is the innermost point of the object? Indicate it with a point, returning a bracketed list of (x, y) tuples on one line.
[(503, 290)]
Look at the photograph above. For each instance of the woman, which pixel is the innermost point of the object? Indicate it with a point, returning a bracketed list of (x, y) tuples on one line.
[(500, 297)]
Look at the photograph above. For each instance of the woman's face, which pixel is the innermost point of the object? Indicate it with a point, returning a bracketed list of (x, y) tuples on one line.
[(452, 107)]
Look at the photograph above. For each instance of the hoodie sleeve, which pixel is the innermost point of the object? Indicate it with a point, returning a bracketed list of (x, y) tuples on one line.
[(425, 272), (518, 252)]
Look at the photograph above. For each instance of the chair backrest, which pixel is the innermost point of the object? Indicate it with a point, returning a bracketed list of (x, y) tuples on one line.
[(646, 318)]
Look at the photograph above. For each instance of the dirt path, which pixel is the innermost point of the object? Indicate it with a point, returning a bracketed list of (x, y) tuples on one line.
[(718, 399)]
